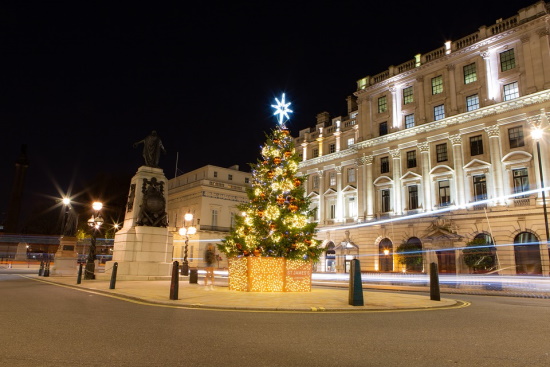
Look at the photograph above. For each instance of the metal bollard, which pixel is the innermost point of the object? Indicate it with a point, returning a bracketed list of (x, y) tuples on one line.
[(355, 284), (41, 269), (193, 276), (174, 284), (113, 276), (79, 278), (434, 283), (47, 270)]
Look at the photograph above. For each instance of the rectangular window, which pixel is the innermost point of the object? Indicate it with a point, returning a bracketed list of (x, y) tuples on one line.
[(332, 210), (472, 102), (383, 128), (332, 148), (384, 165), (351, 174), (382, 104), (230, 177), (332, 178), (411, 159), (351, 141), (470, 74), (408, 96), (246, 180), (351, 207), (437, 84), (521, 180), (409, 121), (441, 152), (507, 60), (515, 136), (439, 112), (476, 145), (214, 217), (315, 152), (413, 197), (215, 174), (232, 220), (511, 91), (444, 193), (385, 207), (316, 180), (480, 188)]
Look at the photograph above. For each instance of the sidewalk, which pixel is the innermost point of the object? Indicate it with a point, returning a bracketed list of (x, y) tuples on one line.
[(199, 296)]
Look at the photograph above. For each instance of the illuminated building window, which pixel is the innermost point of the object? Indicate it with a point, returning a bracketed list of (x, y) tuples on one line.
[(511, 91), (409, 121), (214, 217), (411, 159), (444, 193), (351, 141), (470, 73), (351, 207), (385, 200), (332, 148), (351, 174), (315, 152), (437, 85), (383, 129), (384, 165), (332, 178), (408, 96), (521, 180), (472, 102), (476, 145), (413, 197), (382, 104), (480, 187), (316, 180), (439, 112), (515, 137), (332, 210), (441, 152), (507, 60)]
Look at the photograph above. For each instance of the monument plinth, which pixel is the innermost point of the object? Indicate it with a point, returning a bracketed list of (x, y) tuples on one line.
[(66, 258), (143, 247)]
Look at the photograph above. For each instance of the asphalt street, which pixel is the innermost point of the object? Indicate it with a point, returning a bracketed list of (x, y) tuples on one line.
[(49, 325)]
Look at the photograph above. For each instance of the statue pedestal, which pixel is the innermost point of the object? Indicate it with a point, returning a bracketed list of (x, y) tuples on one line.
[(65, 261), (143, 252), (21, 254)]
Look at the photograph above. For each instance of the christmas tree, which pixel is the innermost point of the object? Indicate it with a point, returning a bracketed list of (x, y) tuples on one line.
[(274, 222)]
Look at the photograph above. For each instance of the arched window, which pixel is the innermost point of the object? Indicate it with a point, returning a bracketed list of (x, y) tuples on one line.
[(385, 255), (527, 254), (411, 254), (330, 257)]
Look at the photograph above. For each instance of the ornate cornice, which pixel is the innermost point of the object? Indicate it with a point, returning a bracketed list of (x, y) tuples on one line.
[(456, 139), (424, 147), (493, 131), (395, 153)]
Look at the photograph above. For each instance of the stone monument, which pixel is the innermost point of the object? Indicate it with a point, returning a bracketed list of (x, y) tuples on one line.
[(66, 258), (143, 247)]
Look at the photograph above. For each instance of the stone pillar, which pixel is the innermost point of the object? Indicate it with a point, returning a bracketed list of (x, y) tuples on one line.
[(452, 89), (304, 151), (545, 56), (424, 148), (321, 197), (496, 162), (396, 163), (369, 198), (361, 188), (396, 108), (340, 195), (421, 100), (528, 65), (492, 89), (337, 134), (458, 161)]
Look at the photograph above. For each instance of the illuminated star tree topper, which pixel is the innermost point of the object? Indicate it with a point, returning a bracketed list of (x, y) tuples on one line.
[(282, 110)]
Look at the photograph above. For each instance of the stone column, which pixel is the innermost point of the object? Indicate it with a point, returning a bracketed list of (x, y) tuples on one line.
[(452, 89), (396, 162), (339, 195), (496, 162), (369, 198), (528, 65), (321, 207), (424, 148), (361, 188), (458, 161), (304, 151), (492, 90), (396, 108), (545, 56), (421, 101), (337, 134)]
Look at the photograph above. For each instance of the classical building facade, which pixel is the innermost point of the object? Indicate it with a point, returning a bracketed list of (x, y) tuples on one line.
[(437, 151), (211, 194)]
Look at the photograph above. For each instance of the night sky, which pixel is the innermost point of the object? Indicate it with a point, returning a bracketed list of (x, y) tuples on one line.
[(82, 82)]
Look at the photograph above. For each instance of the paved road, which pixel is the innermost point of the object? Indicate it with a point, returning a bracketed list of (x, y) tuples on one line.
[(49, 325)]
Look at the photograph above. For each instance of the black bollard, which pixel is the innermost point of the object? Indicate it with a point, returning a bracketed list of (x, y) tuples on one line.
[(79, 278), (41, 269), (113, 276), (434, 283), (193, 276), (47, 270), (355, 284), (175, 283)]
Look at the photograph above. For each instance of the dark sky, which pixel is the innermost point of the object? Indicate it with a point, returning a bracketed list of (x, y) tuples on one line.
[(82, 81)]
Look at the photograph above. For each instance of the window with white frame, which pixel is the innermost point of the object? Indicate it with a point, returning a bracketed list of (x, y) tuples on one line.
[(385, 200), (439, 112), (411, 159), (332, 178), (472, 102), (384, 165), (413, 197), (515, 137), (510, 91), (409, 121), (214, 213), (351, 174), (332, 209), (315, 181), (507, 60), (408, 96), (476, 145), (351, 207), (441, 152), (315, 152), (351, 141)]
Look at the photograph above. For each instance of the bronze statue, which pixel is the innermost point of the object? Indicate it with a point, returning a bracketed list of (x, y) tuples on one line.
[(152, 147), (71, 223)]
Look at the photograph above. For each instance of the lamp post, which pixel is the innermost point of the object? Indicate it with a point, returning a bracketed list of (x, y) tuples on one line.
[(536, 134), (94, 223), (186, 231)]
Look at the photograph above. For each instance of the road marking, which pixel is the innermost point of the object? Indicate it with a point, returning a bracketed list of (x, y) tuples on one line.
[(199, 307)]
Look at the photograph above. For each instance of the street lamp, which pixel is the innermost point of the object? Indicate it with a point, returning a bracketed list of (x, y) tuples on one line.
[(186, 231), (94, 223), (537, 133)]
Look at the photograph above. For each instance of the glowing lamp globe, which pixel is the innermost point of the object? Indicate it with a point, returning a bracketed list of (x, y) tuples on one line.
[(188, 217), (183, 231), (97, 206)]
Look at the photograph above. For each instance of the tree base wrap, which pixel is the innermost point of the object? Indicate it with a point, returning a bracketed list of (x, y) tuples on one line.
[(269, 274)]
